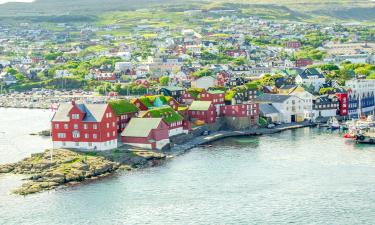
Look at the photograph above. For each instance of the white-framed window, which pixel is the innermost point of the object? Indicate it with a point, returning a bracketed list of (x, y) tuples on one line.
[(114, 133), (85, 126), (66, 126), (95, 136), (57, 126), (113, 124), (107, 134), (94, 126), (61, 135), (86, 136), (76, 134), (75, 126), (107, 125), (75, 116)]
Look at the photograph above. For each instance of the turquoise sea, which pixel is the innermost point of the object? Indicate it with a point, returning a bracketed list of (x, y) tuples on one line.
[(306, 176)]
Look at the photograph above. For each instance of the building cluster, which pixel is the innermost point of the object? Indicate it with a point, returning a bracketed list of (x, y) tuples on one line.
[(148, 121)]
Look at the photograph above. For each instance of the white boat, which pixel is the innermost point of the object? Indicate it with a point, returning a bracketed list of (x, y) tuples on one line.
[(333, 123)]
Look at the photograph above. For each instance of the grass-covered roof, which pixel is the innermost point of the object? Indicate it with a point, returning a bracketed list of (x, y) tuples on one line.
[(167, 113), (122, 106)]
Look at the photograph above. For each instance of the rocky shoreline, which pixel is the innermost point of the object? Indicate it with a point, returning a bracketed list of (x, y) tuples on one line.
[(69, 167)]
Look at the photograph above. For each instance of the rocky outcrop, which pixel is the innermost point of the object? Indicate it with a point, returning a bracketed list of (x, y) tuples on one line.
[(69, 167)]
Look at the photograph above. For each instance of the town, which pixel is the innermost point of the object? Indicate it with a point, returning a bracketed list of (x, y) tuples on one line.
[(152, 83)]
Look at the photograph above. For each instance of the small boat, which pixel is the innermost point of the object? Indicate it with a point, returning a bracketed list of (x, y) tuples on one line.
[(333, 123)]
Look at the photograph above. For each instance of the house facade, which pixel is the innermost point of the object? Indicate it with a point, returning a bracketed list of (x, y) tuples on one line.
[(148, 133), (216, 98), (326, 106), (311, 77), (84, 126), (290, 107), (124, 111), (175, 122), (202, 110)]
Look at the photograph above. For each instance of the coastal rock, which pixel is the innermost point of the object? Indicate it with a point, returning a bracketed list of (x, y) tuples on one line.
[(54, 168), (6, 168)]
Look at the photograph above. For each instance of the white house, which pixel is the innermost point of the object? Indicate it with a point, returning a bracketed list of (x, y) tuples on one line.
[(311, 77), (307, 99), (290, 107)]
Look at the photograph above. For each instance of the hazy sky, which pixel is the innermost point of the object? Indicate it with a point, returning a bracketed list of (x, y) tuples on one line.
[(5, 1)]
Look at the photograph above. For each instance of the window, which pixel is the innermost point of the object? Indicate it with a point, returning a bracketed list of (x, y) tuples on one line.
[(75, 126), (76, 134), (75, 116), (95, 136), (114, 133), (113, 124), (65, 126), (85, 126), (57, 126), (107, 134), (61, 135), (86, 136), (94, 126), (107, 125)]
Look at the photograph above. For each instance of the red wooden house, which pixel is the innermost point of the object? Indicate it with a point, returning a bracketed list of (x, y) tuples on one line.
[(143, 82), (242, 110), (303, 62), (124, 111), (173, 119), (148, 133), (202, 110), (84, 126), (187, 98), (215, 97), (293, 44)]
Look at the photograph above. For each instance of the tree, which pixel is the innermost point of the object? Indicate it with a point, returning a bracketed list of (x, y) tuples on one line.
[(239, 61), (202, 73), (164, 80)]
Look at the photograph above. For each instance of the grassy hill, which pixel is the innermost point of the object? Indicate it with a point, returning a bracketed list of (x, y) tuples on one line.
[(296, 10)]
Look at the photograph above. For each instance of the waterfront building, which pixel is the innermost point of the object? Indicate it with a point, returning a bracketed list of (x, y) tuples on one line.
[(361, 96), (290, 107), (326, 106), (216, 97), (124, 111), (84, 126), (148, 133), (202, 110), (176, 122)]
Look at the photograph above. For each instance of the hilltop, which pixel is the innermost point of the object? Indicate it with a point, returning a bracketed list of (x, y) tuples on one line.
[(90, 10)]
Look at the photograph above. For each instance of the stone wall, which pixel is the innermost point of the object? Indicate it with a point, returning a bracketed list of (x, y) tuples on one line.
[(238, 123)]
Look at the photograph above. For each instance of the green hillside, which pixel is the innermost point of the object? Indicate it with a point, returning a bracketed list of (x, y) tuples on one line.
[(297, 10)]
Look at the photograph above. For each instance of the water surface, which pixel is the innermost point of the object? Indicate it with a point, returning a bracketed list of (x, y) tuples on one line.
[(305, 176)]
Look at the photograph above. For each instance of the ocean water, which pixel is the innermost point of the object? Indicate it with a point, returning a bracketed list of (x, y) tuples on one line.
[(306, 176)]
